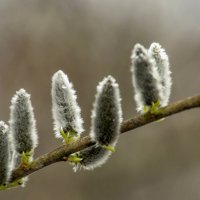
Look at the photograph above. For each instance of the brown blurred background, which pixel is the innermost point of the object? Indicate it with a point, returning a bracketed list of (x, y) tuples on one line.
[(88, 40)]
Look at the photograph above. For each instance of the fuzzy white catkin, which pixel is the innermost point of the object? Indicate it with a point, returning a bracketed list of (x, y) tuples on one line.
[(92, 157), (22, 123), (105, 128), (65, 109), (163, 67), (6, 163), (107, 113), (146, 79)]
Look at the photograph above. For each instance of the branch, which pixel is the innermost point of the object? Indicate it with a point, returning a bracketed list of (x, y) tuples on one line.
[(61, 153)]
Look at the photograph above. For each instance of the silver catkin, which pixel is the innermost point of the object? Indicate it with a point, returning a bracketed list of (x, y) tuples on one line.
[(105, 128), (66, 112), (145, 77), (163, 67), (92, 157), (6, 158), (107, 113), (22, 123)]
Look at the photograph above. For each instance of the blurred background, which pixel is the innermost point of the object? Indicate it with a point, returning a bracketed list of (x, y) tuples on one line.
[(88, 40)]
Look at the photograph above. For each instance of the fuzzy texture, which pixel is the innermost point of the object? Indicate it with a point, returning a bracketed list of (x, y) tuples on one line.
[(163, 67), (105, 128), (12, 153), (92, 157), (107, 113), (146, 79), (66, 112), (22, 122), (5, 156)]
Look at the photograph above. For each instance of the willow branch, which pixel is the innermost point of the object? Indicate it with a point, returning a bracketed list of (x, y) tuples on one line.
[(61, 153)]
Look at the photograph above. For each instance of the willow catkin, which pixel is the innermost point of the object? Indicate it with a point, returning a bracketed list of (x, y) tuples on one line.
[(65, 109), (105, 128), (146, 79)]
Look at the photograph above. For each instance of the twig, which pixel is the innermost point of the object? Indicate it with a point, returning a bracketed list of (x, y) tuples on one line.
[(61, 153)]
